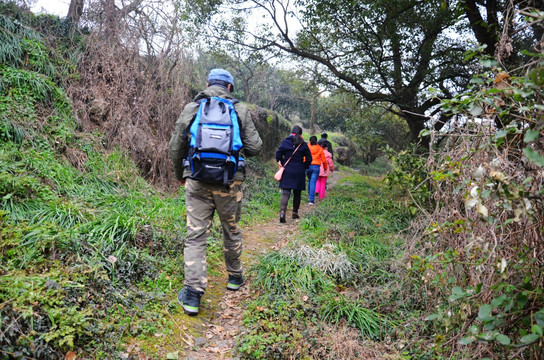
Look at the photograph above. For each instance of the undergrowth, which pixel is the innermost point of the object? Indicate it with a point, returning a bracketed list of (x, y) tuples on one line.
[(91, 255), (474, 262)]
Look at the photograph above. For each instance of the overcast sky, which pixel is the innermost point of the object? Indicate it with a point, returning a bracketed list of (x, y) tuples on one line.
[(55, 7)]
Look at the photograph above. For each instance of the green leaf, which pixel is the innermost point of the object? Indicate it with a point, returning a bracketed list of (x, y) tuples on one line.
[(531, 135), (539, 317), (488, 335), (498, 301), (476, 80), (489, 63), (431, 317), (536, 329), (485, 310), (500, 134), (503, 339), (527, 339), (476, 110), (456, 293), (173, 356), (424, 132), (534, 156), (467, 340)]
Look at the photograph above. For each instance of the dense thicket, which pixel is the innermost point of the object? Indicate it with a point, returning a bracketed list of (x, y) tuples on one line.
[(477, 257)]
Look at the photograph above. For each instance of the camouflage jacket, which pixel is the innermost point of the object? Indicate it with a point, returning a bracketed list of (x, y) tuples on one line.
[(179, 142)]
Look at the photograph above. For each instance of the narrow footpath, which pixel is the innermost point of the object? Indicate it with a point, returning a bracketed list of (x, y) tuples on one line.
[(220, 319)]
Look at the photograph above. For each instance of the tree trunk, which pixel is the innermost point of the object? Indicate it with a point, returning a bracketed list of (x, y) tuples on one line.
[(74, 13), (312, 114), (415, 124)]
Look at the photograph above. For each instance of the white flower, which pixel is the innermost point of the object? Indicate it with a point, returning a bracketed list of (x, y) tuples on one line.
[(502, 265)]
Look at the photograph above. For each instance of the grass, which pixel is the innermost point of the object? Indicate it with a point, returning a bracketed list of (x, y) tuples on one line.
[(279, 274), (369, 322), (91, 255), (344, 246)]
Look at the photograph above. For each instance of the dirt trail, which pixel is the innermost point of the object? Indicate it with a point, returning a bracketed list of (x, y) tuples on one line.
[(219, 321)]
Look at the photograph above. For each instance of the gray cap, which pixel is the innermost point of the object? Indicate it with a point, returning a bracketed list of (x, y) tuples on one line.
[(220, 74)]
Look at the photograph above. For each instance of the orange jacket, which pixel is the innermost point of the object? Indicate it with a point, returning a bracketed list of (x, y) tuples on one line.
[(318, 157)]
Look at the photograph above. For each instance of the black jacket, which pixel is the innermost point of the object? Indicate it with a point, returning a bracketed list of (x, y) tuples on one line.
[(294, 176)]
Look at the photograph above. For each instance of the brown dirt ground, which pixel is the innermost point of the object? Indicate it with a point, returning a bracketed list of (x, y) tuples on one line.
[(221, 326)]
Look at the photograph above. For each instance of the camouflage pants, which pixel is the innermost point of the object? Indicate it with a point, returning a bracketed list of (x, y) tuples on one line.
[(201, 201)]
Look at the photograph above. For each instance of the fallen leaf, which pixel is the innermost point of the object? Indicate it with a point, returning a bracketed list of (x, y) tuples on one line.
[(70, 355)]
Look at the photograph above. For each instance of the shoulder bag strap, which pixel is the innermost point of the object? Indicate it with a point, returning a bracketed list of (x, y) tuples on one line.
[(284, 165)]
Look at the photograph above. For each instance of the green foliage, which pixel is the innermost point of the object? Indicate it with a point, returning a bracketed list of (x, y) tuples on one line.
[(9, 132), (483, 248), (341, 219), (374, 129), (343, 250), (274, 329), (12, 40), (409, 175), (45, 294), (371, 324), (35, 87)]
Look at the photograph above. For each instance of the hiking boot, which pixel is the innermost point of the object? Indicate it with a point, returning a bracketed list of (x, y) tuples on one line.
[(189, 299), (235, 282), (311, 203), (295, 215), (282, 216)]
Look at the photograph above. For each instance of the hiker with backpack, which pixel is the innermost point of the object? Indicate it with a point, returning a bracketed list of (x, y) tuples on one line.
[(294, 154), (211, 136)]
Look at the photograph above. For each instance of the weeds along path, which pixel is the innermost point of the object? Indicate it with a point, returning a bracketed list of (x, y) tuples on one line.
[(212, 334)]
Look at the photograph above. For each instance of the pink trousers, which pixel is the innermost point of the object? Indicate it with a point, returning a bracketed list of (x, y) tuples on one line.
[(320, 186)]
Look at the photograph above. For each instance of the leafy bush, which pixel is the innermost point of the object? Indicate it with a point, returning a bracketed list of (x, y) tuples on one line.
[(409, 176), (480, 249)]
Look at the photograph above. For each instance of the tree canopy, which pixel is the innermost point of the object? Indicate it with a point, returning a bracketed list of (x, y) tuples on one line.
[(404, 53)]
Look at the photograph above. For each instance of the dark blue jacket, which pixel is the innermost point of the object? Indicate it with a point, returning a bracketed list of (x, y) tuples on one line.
[(294, 176)]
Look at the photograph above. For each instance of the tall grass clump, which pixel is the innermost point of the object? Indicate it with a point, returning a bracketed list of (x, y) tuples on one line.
[(282, 274), (371, 324)]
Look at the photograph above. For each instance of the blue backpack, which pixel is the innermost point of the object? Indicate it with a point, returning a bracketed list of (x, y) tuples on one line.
[(215, 142)]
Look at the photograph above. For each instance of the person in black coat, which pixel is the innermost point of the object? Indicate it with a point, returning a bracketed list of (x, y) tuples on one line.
[(294, 175)]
